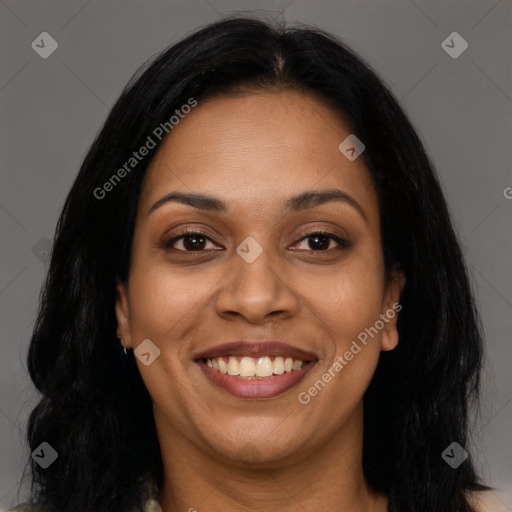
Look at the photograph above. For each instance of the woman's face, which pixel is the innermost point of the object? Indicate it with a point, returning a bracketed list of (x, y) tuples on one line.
[(258, 273)]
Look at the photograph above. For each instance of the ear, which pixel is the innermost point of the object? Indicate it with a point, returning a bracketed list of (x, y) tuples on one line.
[(123, 313), (390, 309)]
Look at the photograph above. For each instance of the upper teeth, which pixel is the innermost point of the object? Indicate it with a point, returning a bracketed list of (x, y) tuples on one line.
[(255, 367)]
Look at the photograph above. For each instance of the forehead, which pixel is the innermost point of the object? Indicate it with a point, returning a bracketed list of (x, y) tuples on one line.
[(256, 148)]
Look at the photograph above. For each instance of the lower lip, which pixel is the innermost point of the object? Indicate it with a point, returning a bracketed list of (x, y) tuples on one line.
[(256, 388)]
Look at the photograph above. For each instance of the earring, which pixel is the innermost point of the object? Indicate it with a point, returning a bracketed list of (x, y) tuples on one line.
[(120, 338)]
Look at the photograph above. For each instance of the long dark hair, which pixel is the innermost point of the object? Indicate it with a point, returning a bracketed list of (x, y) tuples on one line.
[(95, 410)]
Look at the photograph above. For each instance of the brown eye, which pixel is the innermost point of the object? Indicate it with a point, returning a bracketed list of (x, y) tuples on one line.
[(320, 241), (190, 242), (194, 242)]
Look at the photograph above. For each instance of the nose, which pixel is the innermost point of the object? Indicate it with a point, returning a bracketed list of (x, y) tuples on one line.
[(256, 291)]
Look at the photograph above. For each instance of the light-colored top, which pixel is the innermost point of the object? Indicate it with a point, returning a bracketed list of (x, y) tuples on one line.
[(482, 501), (150, 506)]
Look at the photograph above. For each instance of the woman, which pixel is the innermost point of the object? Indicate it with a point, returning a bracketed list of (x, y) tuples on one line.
[(256, 298)]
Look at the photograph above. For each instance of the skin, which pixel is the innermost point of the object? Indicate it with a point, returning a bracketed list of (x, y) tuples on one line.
[(253, 151)]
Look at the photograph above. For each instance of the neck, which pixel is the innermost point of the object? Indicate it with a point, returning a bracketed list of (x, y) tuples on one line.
[(330, 474)]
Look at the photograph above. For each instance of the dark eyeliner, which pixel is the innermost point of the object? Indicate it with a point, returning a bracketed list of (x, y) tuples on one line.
[(168, 244), (343, 243)]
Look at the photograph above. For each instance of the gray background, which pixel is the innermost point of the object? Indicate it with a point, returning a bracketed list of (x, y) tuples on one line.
[(50, 110)]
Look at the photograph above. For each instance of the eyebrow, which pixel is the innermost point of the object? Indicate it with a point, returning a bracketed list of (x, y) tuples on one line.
[(296, 203)]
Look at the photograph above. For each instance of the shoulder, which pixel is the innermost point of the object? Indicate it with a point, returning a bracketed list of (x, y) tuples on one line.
[(150, 506), (486, 501), (26, 507)]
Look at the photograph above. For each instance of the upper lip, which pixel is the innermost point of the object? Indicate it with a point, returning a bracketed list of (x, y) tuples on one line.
[(255, 348)]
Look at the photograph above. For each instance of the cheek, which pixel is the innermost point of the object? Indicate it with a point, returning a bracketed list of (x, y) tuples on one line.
[(349, 300), (160, 299), (162, 303), (345, 314), (346, 305)]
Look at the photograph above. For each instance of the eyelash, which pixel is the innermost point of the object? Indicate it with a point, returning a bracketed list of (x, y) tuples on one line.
[(342, 243)]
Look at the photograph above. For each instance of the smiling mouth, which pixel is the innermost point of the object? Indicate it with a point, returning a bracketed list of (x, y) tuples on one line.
[(253, 368)]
